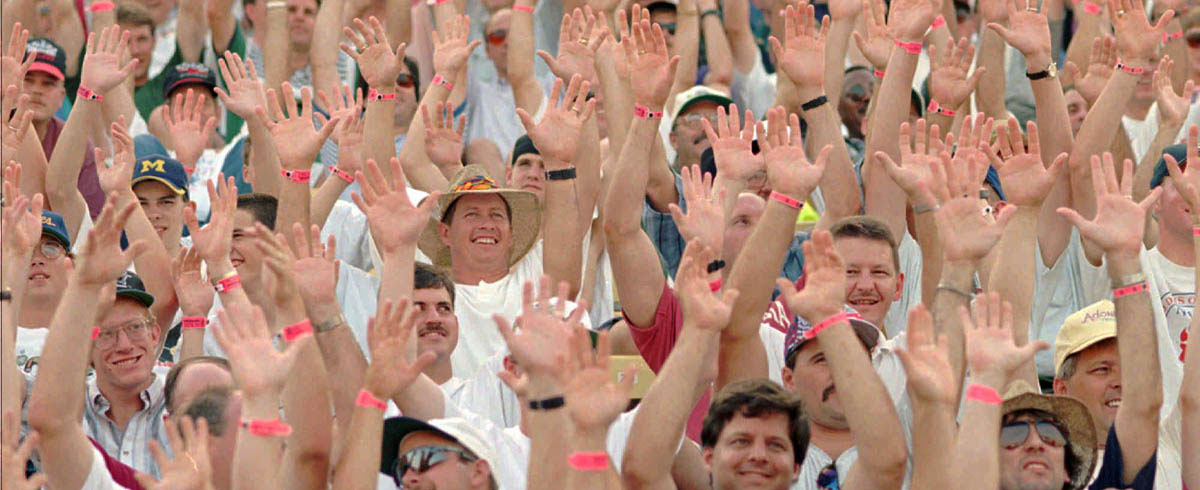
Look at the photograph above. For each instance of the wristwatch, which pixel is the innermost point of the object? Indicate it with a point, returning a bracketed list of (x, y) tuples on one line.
[(1051, 72)]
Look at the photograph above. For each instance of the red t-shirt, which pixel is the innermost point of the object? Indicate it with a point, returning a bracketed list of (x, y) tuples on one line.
[(89, 181), (120, 472)]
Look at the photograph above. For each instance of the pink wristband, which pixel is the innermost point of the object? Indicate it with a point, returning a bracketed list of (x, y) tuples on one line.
[(1130, 289), (1091, 8), (938, 22), (715, 285), (197, 322), (227, 284), (88, 94), (342, 174), (297, 176), (829, 322), (783, 198), (103, 6), (936, 108), (984, 394), (95, 333), (373, 94), (588, 461), (912, 48), (878, 74), (297, 330), (1172, 36), (439, 80), (366, 399), (1133, 70), (1196, 231), (645, 113), (266, 428), (523, 8)]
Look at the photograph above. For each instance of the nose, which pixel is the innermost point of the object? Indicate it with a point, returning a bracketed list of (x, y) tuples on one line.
[(758, 453)]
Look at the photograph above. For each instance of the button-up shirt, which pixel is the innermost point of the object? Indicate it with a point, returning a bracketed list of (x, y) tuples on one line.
[(128, 445)]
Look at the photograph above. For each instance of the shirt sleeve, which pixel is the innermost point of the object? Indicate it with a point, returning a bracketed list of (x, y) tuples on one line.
[(655, 342), (1113, 468)]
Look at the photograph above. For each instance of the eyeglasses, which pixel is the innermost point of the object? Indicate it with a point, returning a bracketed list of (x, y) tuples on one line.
[(1015, 434), (423, 458), (694, 119), (668, 27), (136, 331), (1193, 39), (405, 80), (50, 249), (497, 37)]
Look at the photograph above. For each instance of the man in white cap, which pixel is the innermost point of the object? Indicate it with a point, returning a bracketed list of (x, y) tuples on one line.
[(441, 453)]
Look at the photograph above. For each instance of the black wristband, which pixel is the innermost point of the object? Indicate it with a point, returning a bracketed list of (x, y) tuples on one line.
[(547, 404), (716, 265), (815, 103), (564, 174)]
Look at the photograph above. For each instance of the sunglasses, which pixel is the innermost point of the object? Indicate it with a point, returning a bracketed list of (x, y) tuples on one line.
[(51, 249), (423, 458), (404, 80), (1015, 434), (497, 37), (136, 331), (668, 27), (1193, 39)]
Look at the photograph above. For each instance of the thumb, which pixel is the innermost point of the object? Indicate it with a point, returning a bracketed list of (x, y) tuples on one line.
[(550, 61), (1001, 30), (526, 121), (146, 481), (860, 41), (1073, 216), (676, 215)]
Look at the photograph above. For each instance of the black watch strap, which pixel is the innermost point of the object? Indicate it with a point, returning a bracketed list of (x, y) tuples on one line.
[(562, 174), (815, 103), (547, 404), (1038, 75)]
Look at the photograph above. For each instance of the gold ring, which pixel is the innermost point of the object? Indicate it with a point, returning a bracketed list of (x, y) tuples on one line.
[(583, 41), (1120, 13), (641, 52), (1031, 8), (576, 110)]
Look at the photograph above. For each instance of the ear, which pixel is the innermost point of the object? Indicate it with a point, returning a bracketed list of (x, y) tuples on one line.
[(671, 137), (1060, 386), (508, 178), (707, 455), (509, 365), (899, 287), (786, 374), (481, 473), (444, 233)]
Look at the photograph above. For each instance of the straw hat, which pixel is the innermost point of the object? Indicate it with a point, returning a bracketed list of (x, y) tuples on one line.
[(525, 215), (1081, 433)]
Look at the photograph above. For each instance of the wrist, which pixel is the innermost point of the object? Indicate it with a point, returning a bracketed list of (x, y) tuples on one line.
[(542, 386), (219, 268), (589, 439), (1121, 264), (1036, 60), (323, 310), (992, 378)]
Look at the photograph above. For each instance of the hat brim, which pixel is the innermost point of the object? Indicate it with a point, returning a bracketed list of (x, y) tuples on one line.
[(525, 220), (160, 180), (1100, 336), (44, 67), (395, 429), (1081, 433), (866, 332), (188, 81), (720, 100), (58, 236), (141, 296)]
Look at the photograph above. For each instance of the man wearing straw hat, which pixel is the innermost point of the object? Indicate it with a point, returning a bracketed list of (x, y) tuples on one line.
[(1046, 441)]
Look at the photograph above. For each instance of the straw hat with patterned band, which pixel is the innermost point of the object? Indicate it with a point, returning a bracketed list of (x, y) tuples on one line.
[(1072, 414), (524, 215)]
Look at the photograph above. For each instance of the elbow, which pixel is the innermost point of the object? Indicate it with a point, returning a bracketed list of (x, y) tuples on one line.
[(616, 229), (46, 419), (634, 475)]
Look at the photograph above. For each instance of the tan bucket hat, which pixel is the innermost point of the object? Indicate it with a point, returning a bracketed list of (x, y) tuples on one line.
[(1081, 432), (525, 215)]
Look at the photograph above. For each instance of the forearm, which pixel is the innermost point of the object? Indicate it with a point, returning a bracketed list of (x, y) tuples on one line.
[(687, 47), (118, 103), (33, 165), (737, 28), (591, 442), (221, 23), (885, 199), (293, 207), (618, 102), (1097, 131), (306, 402), (718, 53), (587, 164), (1087, 28), (12, 391), (976, 449), (420, 172), (1137, 418), (62, 174), (57, 402), (546, 438), (839, 184), (1013, 277), (930, 241), (1189, 397), (562, 251), (660, 189), (358, 465), (1054, 125), (754, 277), (989, 96), (323, 53), (1178, 51), (264, 159), (396, 282), (344, 362), (836, 44), (326, 196), (527, 94), (399, 21), (275, 48), (190, 29), (956, 276), (933, 432), (256, 459)]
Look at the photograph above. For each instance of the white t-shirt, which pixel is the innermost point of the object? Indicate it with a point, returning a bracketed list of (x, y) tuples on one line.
[(486, 395), (1060, 289), (754, 90), (29, 348), (1176, 287), (98, 477), (349, 226), (896, 319)]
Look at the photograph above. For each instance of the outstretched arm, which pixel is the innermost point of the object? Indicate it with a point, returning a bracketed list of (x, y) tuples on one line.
[(1187, 185)]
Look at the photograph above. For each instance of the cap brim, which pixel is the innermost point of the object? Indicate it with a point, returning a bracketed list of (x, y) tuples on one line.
[(141, 296), (395, 429), (160, 180), (47, 68), (720, 100), (190, 81), (57, 236)]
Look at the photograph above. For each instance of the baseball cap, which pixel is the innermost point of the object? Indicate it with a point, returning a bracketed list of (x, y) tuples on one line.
[(798, 333), (163, 169), (48, 57), (1083, 329), (188, 72), (53, 225), (459, 430), (657, 4), (1179, 151), (130, 285), (695, 95)]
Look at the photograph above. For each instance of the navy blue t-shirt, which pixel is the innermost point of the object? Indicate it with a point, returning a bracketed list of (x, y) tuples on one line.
[(1112, 469)]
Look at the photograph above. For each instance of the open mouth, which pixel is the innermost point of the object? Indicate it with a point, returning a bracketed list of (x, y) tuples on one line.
[(1036, 465), (433, 330), (126, 362), (485, 240), (39, 276), (1114, 403), (866, 301)]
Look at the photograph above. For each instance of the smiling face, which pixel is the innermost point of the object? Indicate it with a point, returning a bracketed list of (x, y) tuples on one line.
[(687, 132), (1033, 464), (141, 48), (48, 276), (164, 208), (479, 231), (809, 378), (856, 96), (753, 453), (872, 282), (437, 327), (124, 359), (45, 94), (527, 174), (246, 257), (1097, 383), (452, 473)]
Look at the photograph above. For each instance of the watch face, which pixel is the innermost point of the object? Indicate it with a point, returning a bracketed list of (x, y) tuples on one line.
[(1053, 69)]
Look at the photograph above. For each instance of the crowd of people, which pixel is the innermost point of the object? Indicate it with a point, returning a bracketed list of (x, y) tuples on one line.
[(599, 244)]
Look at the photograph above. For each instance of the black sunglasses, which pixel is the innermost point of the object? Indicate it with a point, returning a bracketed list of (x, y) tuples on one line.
[(1014, 434), (423, 458)]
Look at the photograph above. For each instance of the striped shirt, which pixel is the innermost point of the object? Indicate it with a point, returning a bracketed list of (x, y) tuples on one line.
[(128, 445)]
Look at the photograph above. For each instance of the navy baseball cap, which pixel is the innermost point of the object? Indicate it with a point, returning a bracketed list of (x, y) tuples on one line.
[(188, 72), (130, 286), (53, 225), (48, 57), (1179, 151), (163, 169), (800, 331)]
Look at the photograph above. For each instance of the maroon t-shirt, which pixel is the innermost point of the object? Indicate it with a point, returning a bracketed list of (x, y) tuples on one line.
[(89, 181), (120, 472)]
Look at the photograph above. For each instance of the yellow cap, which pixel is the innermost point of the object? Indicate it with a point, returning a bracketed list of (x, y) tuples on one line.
[(1084, 328)]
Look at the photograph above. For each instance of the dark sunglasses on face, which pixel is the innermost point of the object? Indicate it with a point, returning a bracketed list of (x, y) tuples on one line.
[(497, 37), (1015, 434), (404, 80), (668, 27), (1193, 39), (423, 458)]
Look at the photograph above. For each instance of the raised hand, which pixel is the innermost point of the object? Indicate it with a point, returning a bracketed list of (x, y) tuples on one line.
[(187, 131), (443, 143), (193, 290), (1099, 69), (919, 160), (1171, 106), (377, 62), (117, 177), (16, 61), (876, 46), (1137, 40), (731, 144), (349, 132), (313, 268), (190, 468), (243, 89), (788, 168), (705, 217), (1187, 182), (968, 232), (824, 293), (703, 308), (593, 400), (1119, 222), (451, 48), (258, 368), (803, 59), (909, 19), (654, 65), (993, 10), (1027, 31), (344, 105), (544, 330), (576, 47), (102, 70), (972, 142), (927, 360), (14, 455), (22, 226), (990, 346), (214, 241), (1022, 173), (949, 83), (282, 282), (395, 222), (388, 334), (557, 134), (297, 139), (101, 261), (18, 120)]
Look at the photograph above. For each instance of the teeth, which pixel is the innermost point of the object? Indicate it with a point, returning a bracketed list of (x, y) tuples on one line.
[(490, 241), (1114, 403), (126, 362)]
